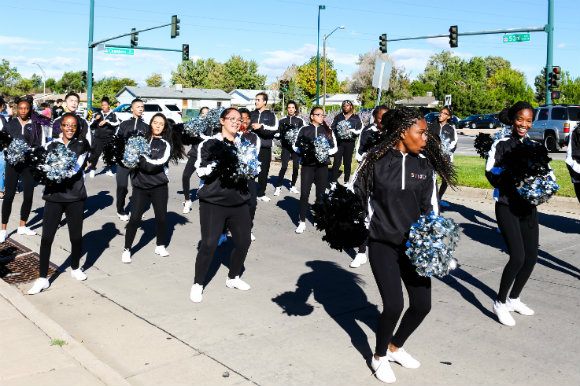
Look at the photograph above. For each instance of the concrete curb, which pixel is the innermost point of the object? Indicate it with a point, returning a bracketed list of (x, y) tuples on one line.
[(73, 348)]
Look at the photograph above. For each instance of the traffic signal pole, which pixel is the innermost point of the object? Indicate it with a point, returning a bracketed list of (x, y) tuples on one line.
[(550, 47), (90, 66)]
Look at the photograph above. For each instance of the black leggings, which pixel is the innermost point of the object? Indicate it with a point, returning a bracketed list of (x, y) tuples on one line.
[(309, 174), (442, 189), (286, 155), (141, 198), (212, 219), (577, 190), (253, 199), (122, 177), (265, 157), (11, 176), (73, 212), (97, 150), (186, 177), (389, 265), (521, 235), (343, 154)]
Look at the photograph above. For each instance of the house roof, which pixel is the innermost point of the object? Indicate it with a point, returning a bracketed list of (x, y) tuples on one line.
[(250, 95), (418, 101), (172, 93), (333, 98)]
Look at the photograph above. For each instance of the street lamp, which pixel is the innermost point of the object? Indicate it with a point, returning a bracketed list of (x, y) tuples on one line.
[(318, 57), (43, 79), (324, 55)]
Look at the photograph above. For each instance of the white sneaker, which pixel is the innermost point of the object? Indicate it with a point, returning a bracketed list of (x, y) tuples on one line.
[(3, 235), (301, 227), (519, 307), (332, 185), (123, 217), (187, 206), (92, 174), (503, 314), (294, 190), (196, 293), (161, 251), (40, 284), (78, 274), (383, 370), (110, 173), (252, 237), (126, 256), (237, 283), (264, 198), (359, 259), (277, 191), (24, 230), (223, 239), (403, 358)]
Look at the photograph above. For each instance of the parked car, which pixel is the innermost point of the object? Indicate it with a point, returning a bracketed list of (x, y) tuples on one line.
[(552, 125), (488, 121), (172, 112), (433, 116), (468, 121)]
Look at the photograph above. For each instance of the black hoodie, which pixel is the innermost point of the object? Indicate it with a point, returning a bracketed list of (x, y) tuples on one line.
[(70, 189), (152, 170)]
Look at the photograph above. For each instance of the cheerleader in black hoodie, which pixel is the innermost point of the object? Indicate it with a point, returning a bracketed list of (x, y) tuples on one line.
[(104, 124), (287, 123), (396, 181), (444, 130), (27, 127), (66, 197), (149, 181), (312, 169), (573, 159), (221, 204), (345, 147)]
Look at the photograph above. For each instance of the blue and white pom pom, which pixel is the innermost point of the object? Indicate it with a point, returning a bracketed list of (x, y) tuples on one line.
[(502, 133), (446, 148), (321, 148), (291, 134), (60, 163), (537, 190), (136, 146), (16, 152), (432, 241), (212, 118), (195, 127), (341, 130), (248, 165)]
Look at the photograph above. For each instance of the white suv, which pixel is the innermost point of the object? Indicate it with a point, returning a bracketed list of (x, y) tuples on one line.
[(172, 112)]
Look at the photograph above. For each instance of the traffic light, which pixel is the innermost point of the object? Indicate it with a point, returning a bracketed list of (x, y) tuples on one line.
[(174, 26), (453, 36), (383, 43), (284, 85), (555, 95), (555, 78), (84, 78), (134, 38), (185, 52)]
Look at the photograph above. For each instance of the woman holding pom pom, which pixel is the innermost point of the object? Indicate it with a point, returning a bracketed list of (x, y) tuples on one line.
[(314, 164), (149, 181), (517, 218), (445, 131), (67, 196), (396, 181)]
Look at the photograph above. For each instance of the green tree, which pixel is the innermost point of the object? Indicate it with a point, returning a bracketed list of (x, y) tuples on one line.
[(508, 86), (71, 82), (438, 63), (240, 73), (570, 90), (306, 78), (540, 85), (418, 88), (51, 85), (109, 87), (495, 63), (203, 73), (155, 80), (9, 76), (36, 81)]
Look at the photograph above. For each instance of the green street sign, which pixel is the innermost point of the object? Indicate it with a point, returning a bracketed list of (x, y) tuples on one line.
[(514, 38), (119, 51)]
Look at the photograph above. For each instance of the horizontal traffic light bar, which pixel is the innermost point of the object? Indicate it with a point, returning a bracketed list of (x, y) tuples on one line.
[(497, 31), (143, 48)]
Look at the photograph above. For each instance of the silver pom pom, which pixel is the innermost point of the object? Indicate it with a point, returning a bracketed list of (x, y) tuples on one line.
[(537, 190), (321, 148), (60, 163), (195, 127), (343, 130), (134, 148), (505, 132), (248, 164), (16, 152)]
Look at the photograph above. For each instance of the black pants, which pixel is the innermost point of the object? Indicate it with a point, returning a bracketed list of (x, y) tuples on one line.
[(73, 212), (309, 174), (186, 177), (286, 155), (577, 190), (265, 157), (389, 265), (97, 150), (141, 198), (363, 247), (212, 219), (442, 189), (253, 199), (343, 154), (11, 177), (521, 235), (122, 177)]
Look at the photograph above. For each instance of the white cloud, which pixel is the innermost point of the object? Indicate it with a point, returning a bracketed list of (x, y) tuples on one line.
[(561, 45), (70, 49), (442, 43), (414, 60), (23, 48), (4, 40)]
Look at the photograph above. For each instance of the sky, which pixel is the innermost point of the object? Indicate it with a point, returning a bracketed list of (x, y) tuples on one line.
[(278, 33)]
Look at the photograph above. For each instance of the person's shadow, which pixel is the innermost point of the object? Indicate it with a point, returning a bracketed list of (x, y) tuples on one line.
[(150, 230), (97, 202), (339, 292), (100, 240), (290, 205)]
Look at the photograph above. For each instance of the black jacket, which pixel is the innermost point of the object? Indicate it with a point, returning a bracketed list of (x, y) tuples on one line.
[(3, 122), (85, 132), (269, 126), (109, 128), (310, 133), (211, 189), (286, 124), (573, 155), (33, 135), (445, 132), (70, 189), (152, 170), (368, 135), (355, 123), (402, 188), (131, 127)]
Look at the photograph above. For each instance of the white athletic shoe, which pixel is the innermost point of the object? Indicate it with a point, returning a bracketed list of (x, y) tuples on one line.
[(252, 237), (40, 284), (519, 307), (359, 259), (277, 191), (123, 217), (110, 173), (237, 283), (187, 206), (301, 227), (196, 293), (3, 235), (403, 358), (294, 190), (92, 174), (503, 314), (382, 370), (126, 256), (78, 274), (332, 185), (264, 198), (161, 251), (24, 230)]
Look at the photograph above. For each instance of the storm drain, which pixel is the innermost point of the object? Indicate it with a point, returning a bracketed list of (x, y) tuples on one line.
[(19, 264)]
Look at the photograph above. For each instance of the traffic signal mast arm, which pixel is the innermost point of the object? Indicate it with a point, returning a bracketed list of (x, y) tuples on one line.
[(498, 31), (94, 44)]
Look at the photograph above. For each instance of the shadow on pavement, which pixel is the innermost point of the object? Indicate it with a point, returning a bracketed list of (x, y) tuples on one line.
[(97, 202), (100, 240), (547, 260), (150, 231), (339, 292), (290, 205), (558, 223)]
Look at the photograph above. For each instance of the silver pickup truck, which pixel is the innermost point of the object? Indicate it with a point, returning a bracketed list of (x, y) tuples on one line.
[(553, 124)]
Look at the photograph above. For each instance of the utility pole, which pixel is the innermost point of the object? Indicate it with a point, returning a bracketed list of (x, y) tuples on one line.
[(90, 66), (550, 47)]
